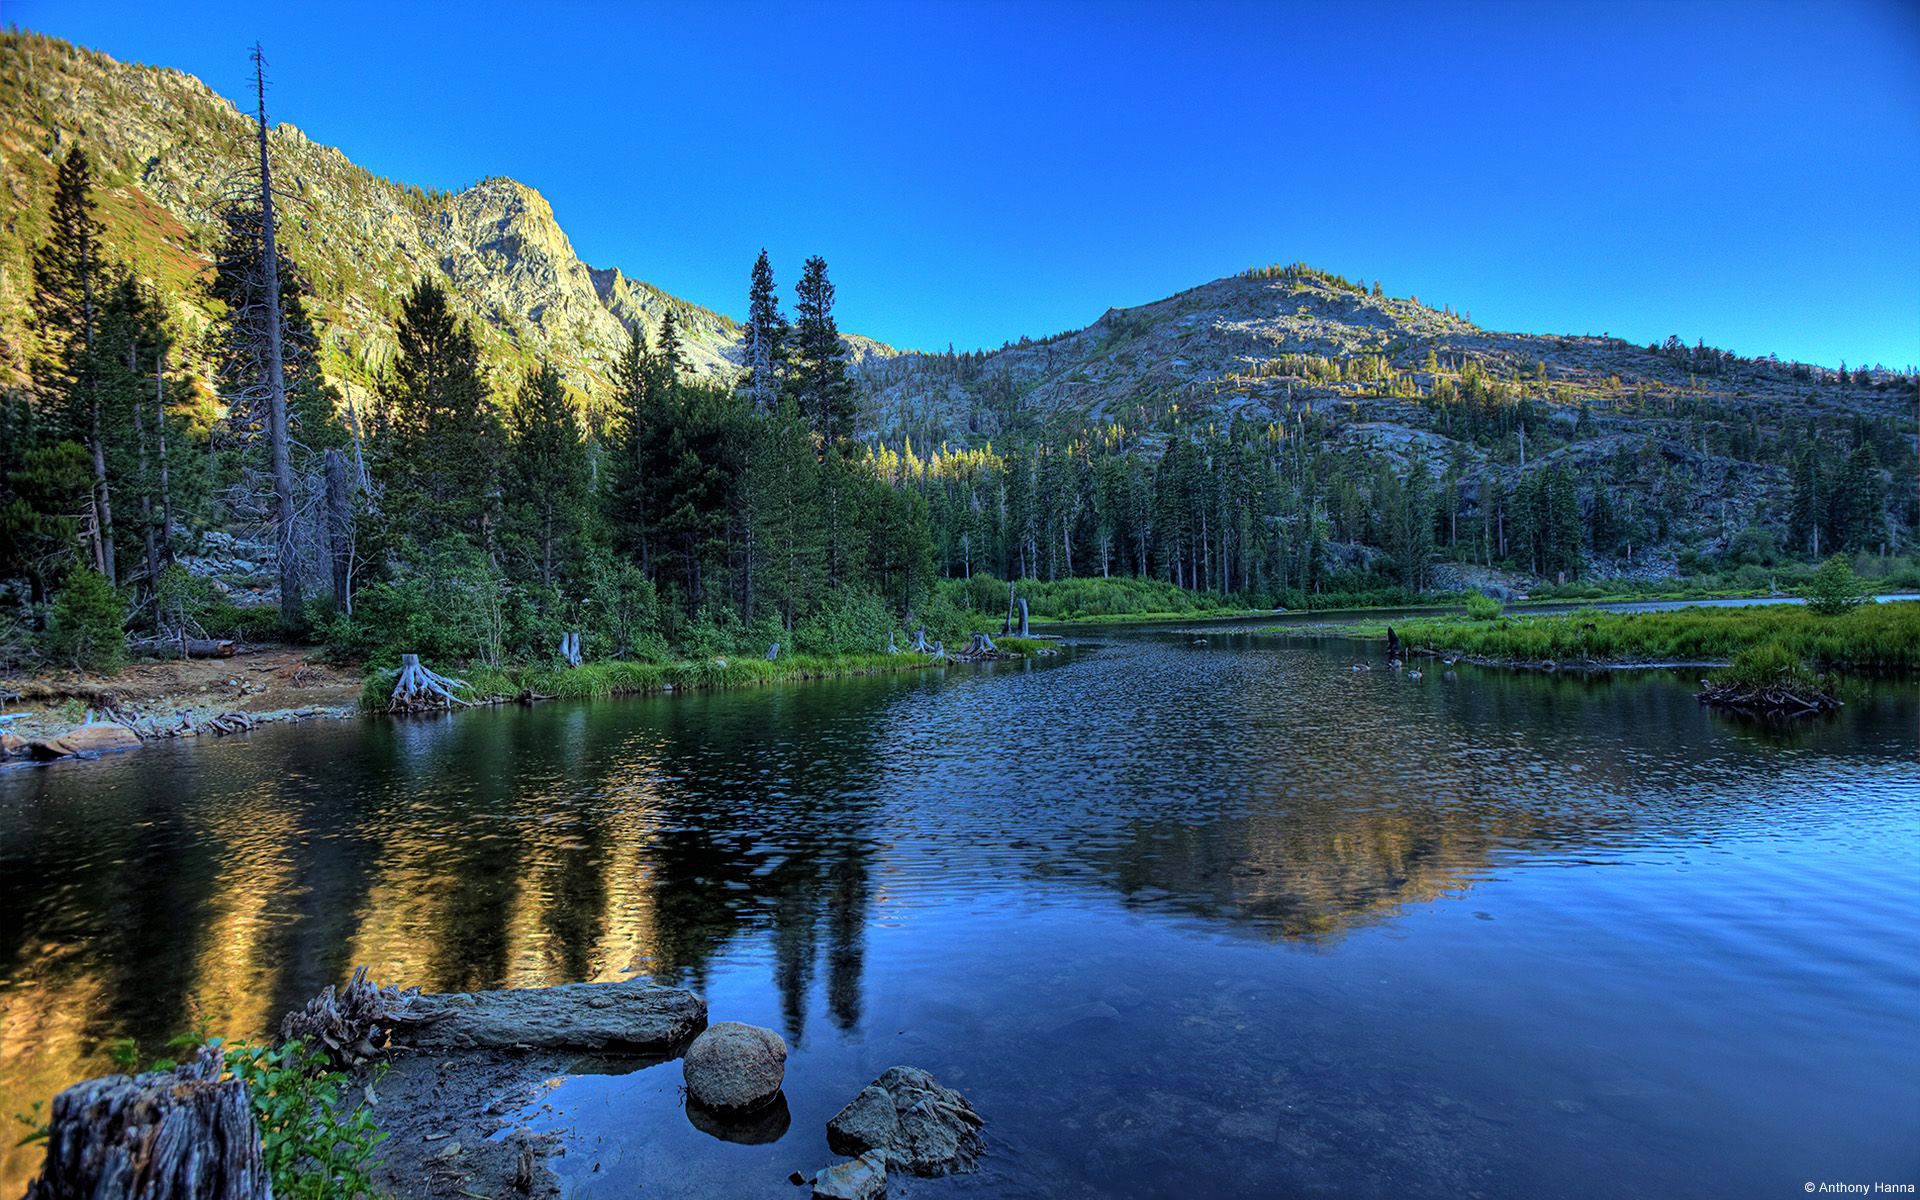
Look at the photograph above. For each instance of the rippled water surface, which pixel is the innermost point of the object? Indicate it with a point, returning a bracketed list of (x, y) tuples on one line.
[(1220, 919)]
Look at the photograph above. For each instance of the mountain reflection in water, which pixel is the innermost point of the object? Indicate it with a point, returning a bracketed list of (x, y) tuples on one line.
[(1256, 789)]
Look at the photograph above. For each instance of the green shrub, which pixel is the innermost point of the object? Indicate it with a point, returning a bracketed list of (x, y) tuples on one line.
[(88, 626), (1834, 588), (318, 1143), (453, 608), (851, 620), (1482, 607)]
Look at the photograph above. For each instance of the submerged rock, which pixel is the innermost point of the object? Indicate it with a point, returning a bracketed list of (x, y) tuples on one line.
[(85, 739), (919, 1126), (863, 1178), (735, 1068)]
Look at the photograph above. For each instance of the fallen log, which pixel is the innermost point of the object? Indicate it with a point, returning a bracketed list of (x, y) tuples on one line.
[(187, 647), (183, 1134)]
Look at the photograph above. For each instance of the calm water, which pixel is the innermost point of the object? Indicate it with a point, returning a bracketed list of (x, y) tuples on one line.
[(1200, 920)]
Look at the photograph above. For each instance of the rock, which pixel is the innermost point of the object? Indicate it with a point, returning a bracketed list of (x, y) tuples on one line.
[(85, 739), (633, 1017), (734, 1068), (867, 1122), (929, 1130), (863, 1178)]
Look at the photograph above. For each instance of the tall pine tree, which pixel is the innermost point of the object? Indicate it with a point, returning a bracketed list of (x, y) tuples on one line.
[(818, 379)]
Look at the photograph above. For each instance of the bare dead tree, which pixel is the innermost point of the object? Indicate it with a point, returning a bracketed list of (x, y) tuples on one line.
[(276, 382)]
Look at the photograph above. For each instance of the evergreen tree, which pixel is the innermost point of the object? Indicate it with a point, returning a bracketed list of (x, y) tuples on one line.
[(1807, 510), (71, 278), (672, 355), (786, 526), (545, 482), (1561, 548), (436, 465), (1857, 508), (763, 341), (818, 377)]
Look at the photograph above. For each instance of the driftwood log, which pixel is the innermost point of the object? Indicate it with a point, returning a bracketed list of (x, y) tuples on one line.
[(419, 689), (184, 1134)]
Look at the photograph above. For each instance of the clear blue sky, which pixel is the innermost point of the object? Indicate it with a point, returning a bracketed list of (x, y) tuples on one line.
[(1744, 172)]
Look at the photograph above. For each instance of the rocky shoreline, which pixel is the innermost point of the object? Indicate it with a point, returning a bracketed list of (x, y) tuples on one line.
[(452, 1075)]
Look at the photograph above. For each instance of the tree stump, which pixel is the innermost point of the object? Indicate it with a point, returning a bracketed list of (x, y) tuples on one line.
[(570, 649), (418, 688), (1023, 617), (184, 1134)]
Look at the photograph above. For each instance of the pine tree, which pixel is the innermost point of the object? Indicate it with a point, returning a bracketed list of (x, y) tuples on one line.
[(440, 445), (71, 279), (1807, 510), (786, 520), (818, 379), (671, 354), (763, 341), (545, 482)]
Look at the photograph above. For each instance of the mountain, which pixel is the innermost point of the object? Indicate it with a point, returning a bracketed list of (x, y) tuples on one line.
[(1253, 344), (167, 149)]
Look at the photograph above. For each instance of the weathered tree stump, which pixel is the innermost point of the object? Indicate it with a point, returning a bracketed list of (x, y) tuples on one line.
[(418, 688), (570, 649), (1023, 617), (773, 652), (184, 1134)]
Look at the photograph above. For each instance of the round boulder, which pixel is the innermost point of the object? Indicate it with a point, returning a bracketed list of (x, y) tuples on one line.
[(735, 1068)]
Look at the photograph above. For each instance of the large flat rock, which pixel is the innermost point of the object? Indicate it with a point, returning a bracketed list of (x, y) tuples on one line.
[(631, 1017)]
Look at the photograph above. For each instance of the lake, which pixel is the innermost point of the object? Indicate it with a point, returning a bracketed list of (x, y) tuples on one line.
[(1181, 918)]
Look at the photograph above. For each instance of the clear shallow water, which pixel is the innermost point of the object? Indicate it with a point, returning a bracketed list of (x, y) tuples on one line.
[(1225, 919)]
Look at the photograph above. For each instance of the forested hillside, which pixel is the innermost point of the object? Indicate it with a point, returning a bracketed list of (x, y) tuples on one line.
[(1288, 430)]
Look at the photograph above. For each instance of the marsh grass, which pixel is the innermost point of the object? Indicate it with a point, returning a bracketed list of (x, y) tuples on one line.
[(1874, 637), (597, 679)]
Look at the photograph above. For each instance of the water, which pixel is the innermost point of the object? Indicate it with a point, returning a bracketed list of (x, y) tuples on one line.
[(1182, 920)]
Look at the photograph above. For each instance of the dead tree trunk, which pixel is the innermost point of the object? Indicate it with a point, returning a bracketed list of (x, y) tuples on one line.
[(570, 649), (1023, 617), (340, 531), (276, 381), (160, 429), (1008, 627), (184, 1134)]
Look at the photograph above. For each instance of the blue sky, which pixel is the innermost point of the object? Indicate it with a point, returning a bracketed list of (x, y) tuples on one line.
[(1746, 173)]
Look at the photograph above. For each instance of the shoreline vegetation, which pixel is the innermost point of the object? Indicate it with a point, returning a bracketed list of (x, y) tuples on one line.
[(1871, 638), (1775, 661), (488, 685)]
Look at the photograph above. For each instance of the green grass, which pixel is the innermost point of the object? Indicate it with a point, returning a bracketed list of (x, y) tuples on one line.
[(1873, 637), (593, 680), (1769, 665)]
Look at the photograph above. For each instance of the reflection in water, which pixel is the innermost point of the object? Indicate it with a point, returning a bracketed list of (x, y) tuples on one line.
[(1248, 787)]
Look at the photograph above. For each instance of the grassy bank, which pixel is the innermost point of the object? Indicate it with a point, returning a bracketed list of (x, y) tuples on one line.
[(591, 680), (1872, 637)]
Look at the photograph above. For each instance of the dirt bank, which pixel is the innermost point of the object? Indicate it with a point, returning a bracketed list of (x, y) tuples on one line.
[(257, 680)]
